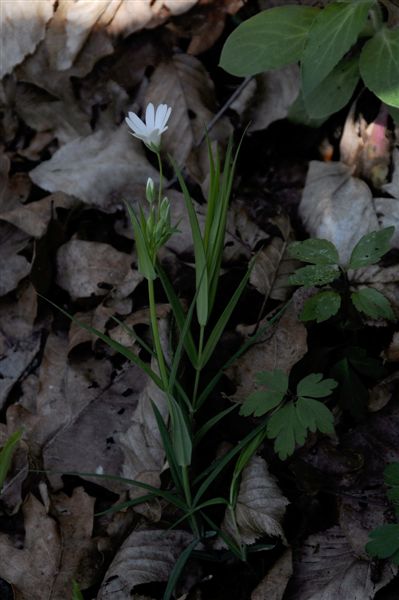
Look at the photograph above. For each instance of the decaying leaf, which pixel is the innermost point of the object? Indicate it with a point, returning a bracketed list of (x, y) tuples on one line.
[(103, 169), (260, 506), (336, 206), (145, 557), (274, 584), (325, 568)]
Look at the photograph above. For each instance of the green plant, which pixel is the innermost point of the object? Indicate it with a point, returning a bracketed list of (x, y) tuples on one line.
[(384, 540), (336, 46), (327, 270), (6, 454), (291, 416)]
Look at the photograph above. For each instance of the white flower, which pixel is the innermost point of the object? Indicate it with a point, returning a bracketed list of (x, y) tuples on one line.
[(151, 131)]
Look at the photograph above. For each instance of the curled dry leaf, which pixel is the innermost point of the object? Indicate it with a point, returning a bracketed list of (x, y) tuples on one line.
[(274, 583), (145, 557), (87, 269), (336, 206), (103, 169), (325, 568), (23, 27), (260, 506), (280, 347)]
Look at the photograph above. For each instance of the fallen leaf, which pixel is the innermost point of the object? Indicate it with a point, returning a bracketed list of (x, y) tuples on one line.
[(103, 169), (273, 585), (260, 506), (23, 27), (336, 206), (145, 557)]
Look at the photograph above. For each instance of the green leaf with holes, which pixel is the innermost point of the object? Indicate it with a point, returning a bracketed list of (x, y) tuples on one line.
[(370, 248), (314, 275), (373, 304), (379, 65), (269, 40), (315, 251), (321, 307)]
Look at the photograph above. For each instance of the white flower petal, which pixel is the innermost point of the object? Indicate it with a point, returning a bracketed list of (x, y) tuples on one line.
[(149, 116), (160, 115), (135, 123)]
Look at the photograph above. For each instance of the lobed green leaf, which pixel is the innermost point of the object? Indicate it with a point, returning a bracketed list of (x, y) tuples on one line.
[(315, 386)]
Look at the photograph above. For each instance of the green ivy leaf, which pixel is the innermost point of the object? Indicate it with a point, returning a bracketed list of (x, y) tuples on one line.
[(333, 32), (260, 402), (314, 386), (379, 65), (373, 304), (321, 307), (384, 542), (335, 91), (315, 251), (370, 248), (271, 39), (314, 275)]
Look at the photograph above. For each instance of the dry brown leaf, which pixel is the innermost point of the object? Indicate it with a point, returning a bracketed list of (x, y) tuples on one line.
[(145, 557), (23, 27), (327, 569), (336, 206), (14, 266), (87, 269), (102, 169), (274, 583), (280, 347), (260, 506)]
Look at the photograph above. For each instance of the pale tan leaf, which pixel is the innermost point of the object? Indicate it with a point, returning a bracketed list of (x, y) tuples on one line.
[(273, 585), (14, 266), (102, 169), (260, 506), (336, 206), (23, 26)]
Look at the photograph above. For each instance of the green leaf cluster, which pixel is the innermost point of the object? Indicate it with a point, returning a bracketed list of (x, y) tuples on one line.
[(335, 46), (291, 420), (384, 540), (325, 269)]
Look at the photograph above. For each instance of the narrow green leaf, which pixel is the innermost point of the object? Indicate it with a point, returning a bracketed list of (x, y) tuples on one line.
[(333, 32), (335, 91), (315, 386), (379, 65), (168, 447), (315, 251), (321, 307), (373, 304), (181, 439), (76, 593), (370, 248), (6, 454), (178, 568), (269, 40), (212, 422), (145, 263), (314, 275)]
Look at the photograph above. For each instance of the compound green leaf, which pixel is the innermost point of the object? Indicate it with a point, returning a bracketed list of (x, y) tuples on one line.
[(373, 304), (315, 251), (260, 402), (384, 541), (370, 248), (335, 91), (379, 65), (281, 428), (314, 415), (314, 275), (321, 307), (333, 32), (271, 39), (314, 386)]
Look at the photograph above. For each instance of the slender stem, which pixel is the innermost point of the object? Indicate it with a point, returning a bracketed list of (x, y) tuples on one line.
[(198, 367), (155, 335), (160, 181), (188, 496)]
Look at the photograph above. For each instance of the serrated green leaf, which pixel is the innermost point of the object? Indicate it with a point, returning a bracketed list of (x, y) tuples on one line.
[(370, 248), (314, 386), (335, 91), (315, 251), (314, 275), (321, 307), (260, 402), (353, 394), (384, 541), (271, 39), (373, 304), (314, 415), (333, 32), (379, 65)]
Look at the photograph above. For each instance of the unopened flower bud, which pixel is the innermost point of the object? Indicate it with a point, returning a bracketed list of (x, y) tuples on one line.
[(150, 190)]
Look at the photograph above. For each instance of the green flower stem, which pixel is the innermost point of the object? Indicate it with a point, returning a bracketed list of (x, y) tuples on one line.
[(155, 335), (160, 182), (198, 367)]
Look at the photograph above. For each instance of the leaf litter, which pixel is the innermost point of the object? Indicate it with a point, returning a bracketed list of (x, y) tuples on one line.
[(68, 164)]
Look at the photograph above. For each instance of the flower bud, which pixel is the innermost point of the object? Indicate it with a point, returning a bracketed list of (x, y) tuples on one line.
[(150, 190)]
